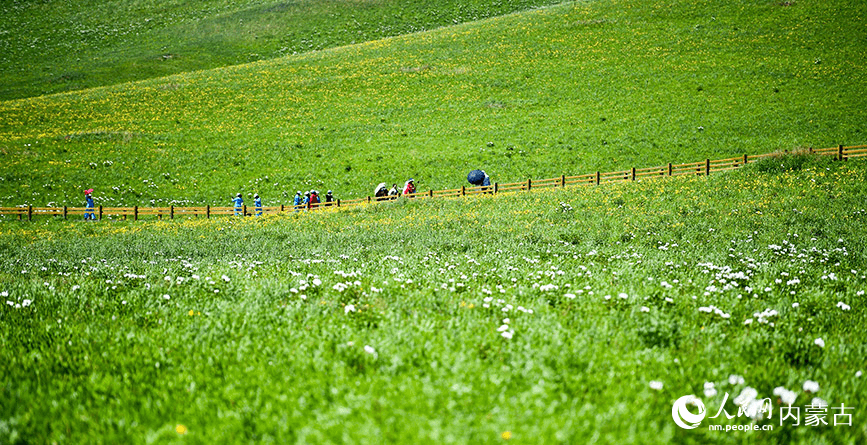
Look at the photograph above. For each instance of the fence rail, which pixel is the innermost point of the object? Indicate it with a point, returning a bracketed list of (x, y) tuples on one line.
[(702, 168)]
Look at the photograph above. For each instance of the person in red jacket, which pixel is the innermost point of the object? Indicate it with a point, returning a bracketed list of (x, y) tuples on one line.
[(409, 187), (314, 199)]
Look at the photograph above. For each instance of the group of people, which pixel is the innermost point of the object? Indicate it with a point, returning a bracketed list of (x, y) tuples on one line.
[(238, 201), (310, 199), (382, 192)]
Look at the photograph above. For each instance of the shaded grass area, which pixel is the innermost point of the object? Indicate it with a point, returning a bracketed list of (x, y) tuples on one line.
[(57, 46), (240, 329)]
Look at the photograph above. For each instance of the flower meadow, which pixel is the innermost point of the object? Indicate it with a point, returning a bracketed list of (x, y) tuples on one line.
[(558, 316)]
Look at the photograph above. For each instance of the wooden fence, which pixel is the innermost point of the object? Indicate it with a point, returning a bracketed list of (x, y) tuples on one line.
[(702, 168)]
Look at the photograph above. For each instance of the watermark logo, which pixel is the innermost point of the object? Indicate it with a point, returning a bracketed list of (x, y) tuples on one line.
[(682, 415), (816, 413)]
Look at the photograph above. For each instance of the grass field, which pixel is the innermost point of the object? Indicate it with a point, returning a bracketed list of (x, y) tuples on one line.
[(578, 315), (565, 316), (65, 45), (576, 88)]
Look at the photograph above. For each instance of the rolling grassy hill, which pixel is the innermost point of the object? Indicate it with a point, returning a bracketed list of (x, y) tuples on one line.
[(559, 316), (569, 89), (62, 45)]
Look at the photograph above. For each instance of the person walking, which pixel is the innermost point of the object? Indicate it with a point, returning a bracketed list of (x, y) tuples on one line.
[(392, 194), (239, 205), (298, 201), (257, 201), (88, 205), (409, 188), (380, 192), (329, 199), (314, 199)]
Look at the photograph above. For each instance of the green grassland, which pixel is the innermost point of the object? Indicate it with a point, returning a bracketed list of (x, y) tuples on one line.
[(62, 45), (574, 315), (603, 85), (538, 317)]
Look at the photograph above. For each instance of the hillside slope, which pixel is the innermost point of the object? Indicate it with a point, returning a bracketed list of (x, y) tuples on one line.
[(63, 45), (603, 85)]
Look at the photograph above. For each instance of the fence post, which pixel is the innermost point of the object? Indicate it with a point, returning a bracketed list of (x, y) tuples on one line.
[(244, 210), (207, 211), (707, 167), (171, 212), (529, 184), (463, 190), (563, 181), (597, 177), (633, 173), (338, 203), (496, 187), (745, 157), (281, 208), (29, 213), (64, 212), (840, 153), (368, 199), (669, 169), (135, 213), (100, 213)]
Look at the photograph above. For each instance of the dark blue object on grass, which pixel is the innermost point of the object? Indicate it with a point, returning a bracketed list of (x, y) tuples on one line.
[(476, 177)]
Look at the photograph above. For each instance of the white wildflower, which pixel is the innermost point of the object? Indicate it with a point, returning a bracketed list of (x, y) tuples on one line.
[(811, 386), (709, 390), (746, 396)]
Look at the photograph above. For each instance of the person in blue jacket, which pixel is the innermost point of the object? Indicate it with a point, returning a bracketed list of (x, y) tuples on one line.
[(239, 205), (298, 200), (306, 200), (257, 201), (88, 211)]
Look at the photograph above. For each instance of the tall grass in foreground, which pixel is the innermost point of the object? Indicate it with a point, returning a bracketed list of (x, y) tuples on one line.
[(558, 316)]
